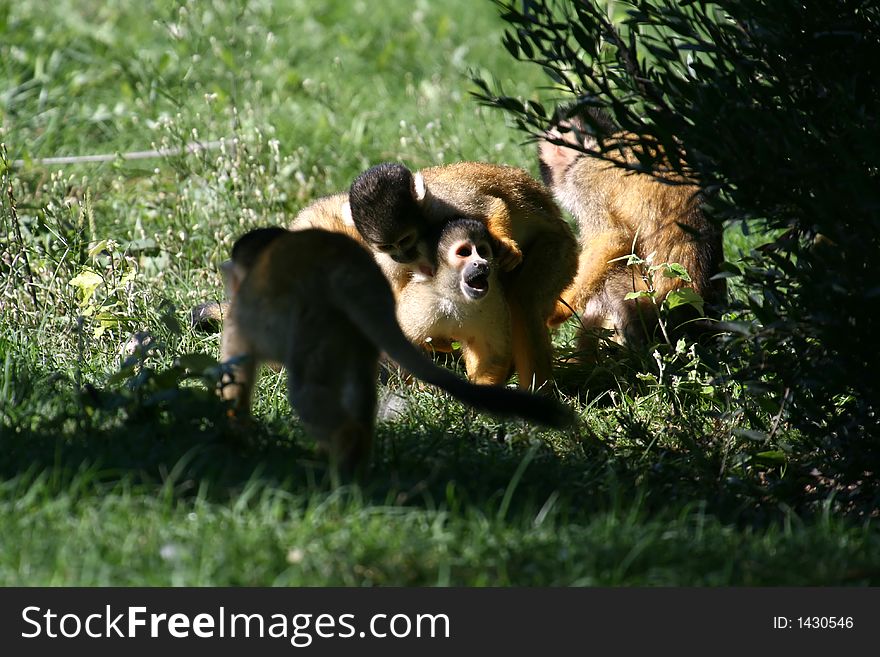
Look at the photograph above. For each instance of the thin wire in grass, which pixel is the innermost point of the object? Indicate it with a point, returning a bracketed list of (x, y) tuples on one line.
[(189, 148)]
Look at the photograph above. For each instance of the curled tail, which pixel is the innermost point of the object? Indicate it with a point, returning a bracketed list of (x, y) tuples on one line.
[(377, 321)]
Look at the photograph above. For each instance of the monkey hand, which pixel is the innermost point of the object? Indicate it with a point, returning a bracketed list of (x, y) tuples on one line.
[(509, 255), (560, 313)]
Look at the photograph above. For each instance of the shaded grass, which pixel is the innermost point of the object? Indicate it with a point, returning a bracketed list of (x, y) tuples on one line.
[(183, 507), (270, 537)]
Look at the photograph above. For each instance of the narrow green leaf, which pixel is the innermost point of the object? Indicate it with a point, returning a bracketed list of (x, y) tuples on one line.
[(751, 434)]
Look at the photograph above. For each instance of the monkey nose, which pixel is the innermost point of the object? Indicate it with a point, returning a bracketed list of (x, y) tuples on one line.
[(480, 268), (477, 276)]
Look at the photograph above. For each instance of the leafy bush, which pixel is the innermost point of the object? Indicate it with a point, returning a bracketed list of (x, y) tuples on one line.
[(774, 106)]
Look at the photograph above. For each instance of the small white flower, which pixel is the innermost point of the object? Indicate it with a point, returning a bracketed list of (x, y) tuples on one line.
[(169, 552)]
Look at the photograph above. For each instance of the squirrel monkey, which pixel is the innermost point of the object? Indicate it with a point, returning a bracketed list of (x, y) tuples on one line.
[(463, 301), (326, 213), (619, 211), (316, 302), (392, 209)]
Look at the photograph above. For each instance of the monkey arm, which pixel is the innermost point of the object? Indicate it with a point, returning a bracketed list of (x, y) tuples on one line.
[(499, 223), (235, 347), (485, 363)]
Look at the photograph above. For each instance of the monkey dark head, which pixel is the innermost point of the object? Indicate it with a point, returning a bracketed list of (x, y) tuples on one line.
[(385, 210), (249, 246)]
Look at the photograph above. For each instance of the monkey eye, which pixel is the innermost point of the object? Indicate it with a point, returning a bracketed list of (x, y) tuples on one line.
[(483, 251), (406, 242), (385, 248), (463, 251)]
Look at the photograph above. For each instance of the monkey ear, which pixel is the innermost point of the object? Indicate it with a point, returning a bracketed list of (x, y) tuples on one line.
[(347, 217), (419, 189)]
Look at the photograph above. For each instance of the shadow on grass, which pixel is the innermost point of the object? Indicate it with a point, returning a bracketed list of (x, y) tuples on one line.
[(509, 505), (435, 455)]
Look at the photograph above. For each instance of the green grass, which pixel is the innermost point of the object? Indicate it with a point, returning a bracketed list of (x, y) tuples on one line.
[(123, 470)]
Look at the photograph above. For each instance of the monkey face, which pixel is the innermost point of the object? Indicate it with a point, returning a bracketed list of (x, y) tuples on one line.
[(403, 250), (411, 251), (471, 259)]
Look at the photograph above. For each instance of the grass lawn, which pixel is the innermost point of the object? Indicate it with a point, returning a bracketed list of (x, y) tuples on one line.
[(117, 464)]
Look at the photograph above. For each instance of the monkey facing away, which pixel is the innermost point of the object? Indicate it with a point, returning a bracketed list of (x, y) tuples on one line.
[(620, 212), (463, 301), (326, 213), (316, 302), (393, 208)]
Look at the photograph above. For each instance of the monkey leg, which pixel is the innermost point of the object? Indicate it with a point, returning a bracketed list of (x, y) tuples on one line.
[(485, 362), (237, 351), (634, 320), (532, 350), (438, 345), (486, 343), (608, 315), (592, 272), (208, 316), (548, 267), (333, 390), (595, 318), (345, 434)]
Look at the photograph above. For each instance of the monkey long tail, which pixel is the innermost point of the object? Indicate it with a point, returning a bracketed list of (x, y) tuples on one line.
[(388, 337), (492, 399)]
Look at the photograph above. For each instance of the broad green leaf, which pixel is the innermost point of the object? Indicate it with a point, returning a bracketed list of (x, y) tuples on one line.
[(675, 270), (684, 296), (106, 320), (87, 282), (96, 248)]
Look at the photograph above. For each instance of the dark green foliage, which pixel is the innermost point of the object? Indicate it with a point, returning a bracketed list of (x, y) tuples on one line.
[(774, 105)]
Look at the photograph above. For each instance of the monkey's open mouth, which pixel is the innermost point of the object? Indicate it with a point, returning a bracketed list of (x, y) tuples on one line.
[(476, 285)]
